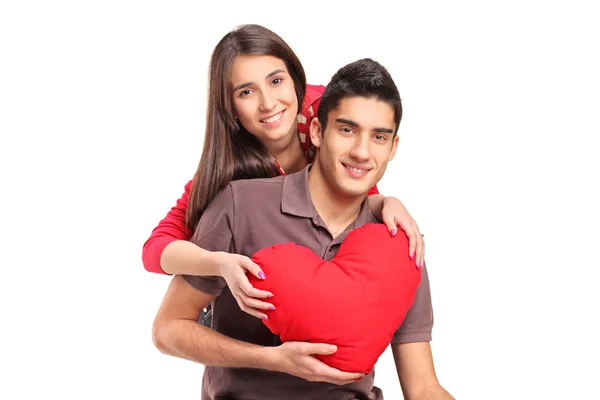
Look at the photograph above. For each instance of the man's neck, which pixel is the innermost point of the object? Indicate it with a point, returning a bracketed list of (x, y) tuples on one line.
[(289, 154), (337, 212)]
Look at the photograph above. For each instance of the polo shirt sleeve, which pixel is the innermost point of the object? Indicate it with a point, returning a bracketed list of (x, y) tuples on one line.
[(418, 323), (214, 233)]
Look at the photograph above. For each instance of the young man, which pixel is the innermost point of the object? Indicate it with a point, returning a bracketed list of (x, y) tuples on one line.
[(356, 136)]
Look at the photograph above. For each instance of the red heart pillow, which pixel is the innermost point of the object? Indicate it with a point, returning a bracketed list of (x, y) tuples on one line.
[(355, 301)]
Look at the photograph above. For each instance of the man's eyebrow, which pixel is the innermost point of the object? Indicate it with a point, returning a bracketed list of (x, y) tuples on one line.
[(347, 122), (356, 125), (245, 85)]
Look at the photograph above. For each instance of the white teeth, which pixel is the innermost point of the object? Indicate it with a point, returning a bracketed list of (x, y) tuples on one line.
[(356, 169), (274, 118)]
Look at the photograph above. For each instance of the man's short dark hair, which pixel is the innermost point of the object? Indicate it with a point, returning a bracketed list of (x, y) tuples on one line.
[(363, 78)]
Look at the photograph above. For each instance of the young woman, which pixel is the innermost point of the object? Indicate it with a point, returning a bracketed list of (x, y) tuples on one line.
[(259, 110)]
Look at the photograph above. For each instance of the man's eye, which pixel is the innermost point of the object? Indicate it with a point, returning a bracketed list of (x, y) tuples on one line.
[(380, 137), (346, 130)]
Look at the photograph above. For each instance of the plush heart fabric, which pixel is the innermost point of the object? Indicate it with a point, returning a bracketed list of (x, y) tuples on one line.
[(355, 301)]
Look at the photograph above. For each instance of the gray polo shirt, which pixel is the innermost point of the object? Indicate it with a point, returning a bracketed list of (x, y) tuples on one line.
[(247, 216)]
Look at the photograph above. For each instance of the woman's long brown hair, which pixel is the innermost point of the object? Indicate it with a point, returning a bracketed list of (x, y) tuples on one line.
[(230, 152)]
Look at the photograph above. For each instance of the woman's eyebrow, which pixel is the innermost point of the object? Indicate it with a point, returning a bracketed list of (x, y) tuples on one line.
[(244, 85)]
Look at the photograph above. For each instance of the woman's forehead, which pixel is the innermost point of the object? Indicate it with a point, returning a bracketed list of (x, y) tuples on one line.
[(255, 68)]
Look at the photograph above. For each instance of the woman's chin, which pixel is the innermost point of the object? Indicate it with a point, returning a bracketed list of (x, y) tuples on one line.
[(276, 135)]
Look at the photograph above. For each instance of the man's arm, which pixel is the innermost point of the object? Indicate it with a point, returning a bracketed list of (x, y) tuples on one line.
[(412, 352), (176, 332), (414, 364)]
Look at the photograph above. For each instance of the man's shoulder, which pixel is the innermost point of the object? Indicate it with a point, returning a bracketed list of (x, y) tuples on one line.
[(253, 192), (244, 193), (257, 184)]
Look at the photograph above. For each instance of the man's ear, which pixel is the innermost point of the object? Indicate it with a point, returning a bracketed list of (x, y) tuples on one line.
[(316, 133), (394, 147)]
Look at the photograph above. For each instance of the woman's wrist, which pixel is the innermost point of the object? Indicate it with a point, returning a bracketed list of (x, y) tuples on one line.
[(376, 202), (182, 257), (215, 262), (387, 199)]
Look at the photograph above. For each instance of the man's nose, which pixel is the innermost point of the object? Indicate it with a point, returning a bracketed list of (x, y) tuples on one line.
[(360, 149)]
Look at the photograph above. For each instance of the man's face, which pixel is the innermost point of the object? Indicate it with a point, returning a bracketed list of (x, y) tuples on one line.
[(358, 143)]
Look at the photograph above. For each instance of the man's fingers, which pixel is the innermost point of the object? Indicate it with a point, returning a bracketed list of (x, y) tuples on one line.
[(333, 374), (319, 348)]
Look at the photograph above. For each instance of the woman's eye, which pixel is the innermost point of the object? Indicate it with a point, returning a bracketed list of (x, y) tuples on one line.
[(244, 92), (277, 81)]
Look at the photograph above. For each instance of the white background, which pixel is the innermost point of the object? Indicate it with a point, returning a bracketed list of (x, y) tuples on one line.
[(102, 108)]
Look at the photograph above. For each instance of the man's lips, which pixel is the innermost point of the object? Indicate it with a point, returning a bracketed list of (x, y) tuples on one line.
[(357, 171)]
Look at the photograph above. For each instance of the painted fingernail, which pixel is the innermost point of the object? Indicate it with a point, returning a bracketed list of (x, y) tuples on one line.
[(270, 295), (272, 308), (393, 232), (264, 317), (261, 275), (412, 255)]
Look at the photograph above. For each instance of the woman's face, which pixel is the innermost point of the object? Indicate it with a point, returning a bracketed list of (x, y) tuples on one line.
[(264, 98)]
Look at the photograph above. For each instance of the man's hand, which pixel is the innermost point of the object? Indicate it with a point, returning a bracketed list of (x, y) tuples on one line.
[(298, 359)]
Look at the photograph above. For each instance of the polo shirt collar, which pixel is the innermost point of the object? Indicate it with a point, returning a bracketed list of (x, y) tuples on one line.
[(295, 196), (295, 199)]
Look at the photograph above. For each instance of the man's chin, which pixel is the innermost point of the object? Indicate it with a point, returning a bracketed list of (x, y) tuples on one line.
[(354, 190)]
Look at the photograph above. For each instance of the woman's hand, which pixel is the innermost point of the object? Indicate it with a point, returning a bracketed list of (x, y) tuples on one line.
[(233, 268), (395, 214)]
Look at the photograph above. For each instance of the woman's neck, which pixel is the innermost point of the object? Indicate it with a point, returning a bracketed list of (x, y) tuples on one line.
[(290, 157)]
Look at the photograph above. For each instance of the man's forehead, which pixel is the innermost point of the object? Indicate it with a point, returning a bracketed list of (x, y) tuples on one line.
[(366, 112)]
